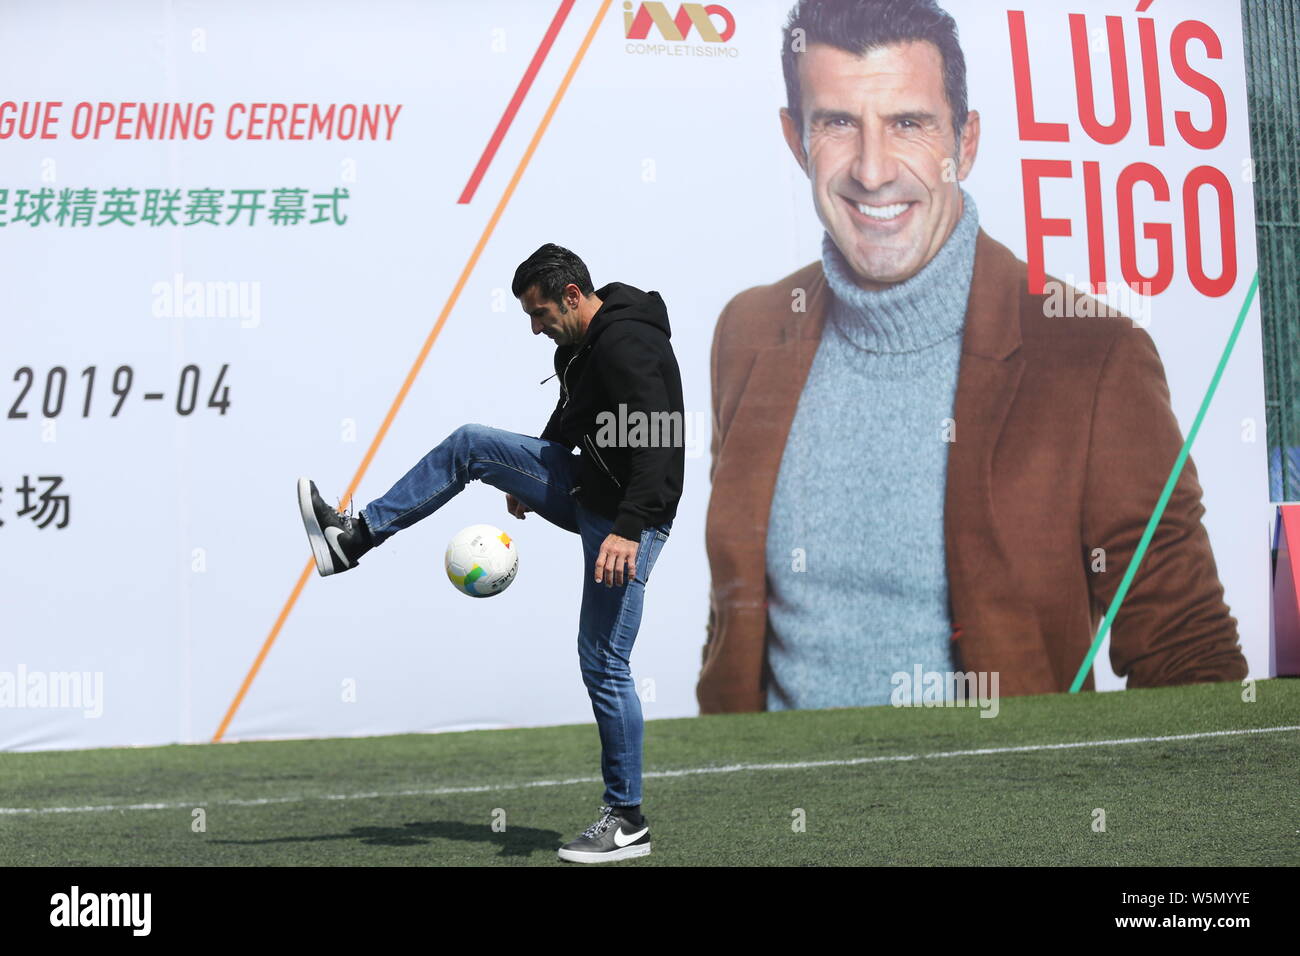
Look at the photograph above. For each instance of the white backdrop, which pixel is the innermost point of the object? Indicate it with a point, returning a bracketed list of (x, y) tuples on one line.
[(663, 169)]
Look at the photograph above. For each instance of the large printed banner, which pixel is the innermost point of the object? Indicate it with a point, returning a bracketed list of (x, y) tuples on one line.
[(242, 242)]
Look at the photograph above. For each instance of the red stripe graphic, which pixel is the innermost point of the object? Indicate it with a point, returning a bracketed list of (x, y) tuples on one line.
[(513, 107)]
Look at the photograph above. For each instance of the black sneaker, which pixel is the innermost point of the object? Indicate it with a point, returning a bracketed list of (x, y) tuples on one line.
[(612, 837), (337, 540)]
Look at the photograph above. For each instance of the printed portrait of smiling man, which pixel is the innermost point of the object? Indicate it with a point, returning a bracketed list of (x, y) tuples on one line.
[(915, 464)]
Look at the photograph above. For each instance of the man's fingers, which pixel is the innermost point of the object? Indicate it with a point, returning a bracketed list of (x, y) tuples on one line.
[(616, 563), (606, 567), (630, 570)]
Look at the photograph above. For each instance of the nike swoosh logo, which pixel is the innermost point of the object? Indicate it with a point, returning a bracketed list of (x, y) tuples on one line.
[(621, 840), (332, 535)]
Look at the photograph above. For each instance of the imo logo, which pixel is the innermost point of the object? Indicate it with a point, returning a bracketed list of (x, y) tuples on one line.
[(676, 29)]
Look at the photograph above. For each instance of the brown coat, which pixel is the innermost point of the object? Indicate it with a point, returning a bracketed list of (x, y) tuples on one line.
[(1064, 439)]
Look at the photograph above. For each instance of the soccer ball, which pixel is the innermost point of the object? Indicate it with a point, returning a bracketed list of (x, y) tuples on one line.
[(482, 560)]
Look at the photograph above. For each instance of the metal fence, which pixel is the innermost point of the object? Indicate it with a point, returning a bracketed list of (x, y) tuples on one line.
[(1272, 40)]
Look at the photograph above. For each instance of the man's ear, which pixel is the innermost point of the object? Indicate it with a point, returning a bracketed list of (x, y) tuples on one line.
[(794, 139), (970, 144)]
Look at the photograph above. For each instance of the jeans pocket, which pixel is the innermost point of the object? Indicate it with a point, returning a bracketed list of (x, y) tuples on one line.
[(653, 547)]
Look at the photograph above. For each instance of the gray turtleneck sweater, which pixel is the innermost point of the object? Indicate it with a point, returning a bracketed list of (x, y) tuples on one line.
[(858, 585)]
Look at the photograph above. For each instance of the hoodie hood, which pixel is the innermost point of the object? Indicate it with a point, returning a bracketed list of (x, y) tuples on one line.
[(622, 302)]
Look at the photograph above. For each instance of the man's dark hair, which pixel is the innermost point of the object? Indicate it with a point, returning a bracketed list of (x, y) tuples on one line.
[(858, 26), (551, 268)]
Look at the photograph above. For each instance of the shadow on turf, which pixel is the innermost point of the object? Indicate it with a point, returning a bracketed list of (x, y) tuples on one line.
[(515, 841)]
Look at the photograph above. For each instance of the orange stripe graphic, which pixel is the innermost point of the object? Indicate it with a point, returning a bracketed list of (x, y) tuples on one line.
[(419, 360)]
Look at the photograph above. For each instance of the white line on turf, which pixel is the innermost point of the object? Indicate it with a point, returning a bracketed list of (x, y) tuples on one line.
[(689, 772)]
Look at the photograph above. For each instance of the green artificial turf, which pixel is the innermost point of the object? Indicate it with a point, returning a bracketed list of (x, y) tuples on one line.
[(1211, 801)]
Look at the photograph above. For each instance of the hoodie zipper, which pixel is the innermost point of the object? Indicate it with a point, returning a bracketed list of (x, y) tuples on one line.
[(564, 394), (564, 378), (600, 461)]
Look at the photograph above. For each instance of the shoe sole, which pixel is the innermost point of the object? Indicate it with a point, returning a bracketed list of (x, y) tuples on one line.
[(320, 549), (608, 856)]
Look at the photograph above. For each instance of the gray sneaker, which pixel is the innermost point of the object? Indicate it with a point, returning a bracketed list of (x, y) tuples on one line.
[(612, 837)]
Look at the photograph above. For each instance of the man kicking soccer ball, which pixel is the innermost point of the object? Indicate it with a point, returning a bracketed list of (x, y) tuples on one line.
[(617, 374)]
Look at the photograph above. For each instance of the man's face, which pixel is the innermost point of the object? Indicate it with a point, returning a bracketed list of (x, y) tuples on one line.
[(881, 155), (555, 320)]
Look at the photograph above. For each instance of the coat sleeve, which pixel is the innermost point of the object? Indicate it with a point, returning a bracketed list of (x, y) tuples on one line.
[(1173, 626)]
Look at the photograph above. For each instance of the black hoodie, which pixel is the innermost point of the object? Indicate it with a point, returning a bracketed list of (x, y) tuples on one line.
[(621, 404)]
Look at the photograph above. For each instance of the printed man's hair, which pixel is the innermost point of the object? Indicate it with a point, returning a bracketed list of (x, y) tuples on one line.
[(858, 26)]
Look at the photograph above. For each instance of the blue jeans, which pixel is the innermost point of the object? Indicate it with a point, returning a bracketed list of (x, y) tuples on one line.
[(542, 475)]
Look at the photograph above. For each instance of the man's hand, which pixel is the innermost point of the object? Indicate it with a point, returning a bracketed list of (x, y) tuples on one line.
[(616, 561), (516, 507)]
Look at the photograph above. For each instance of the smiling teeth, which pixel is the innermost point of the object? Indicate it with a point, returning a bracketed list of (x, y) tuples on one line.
[(882, 212)]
